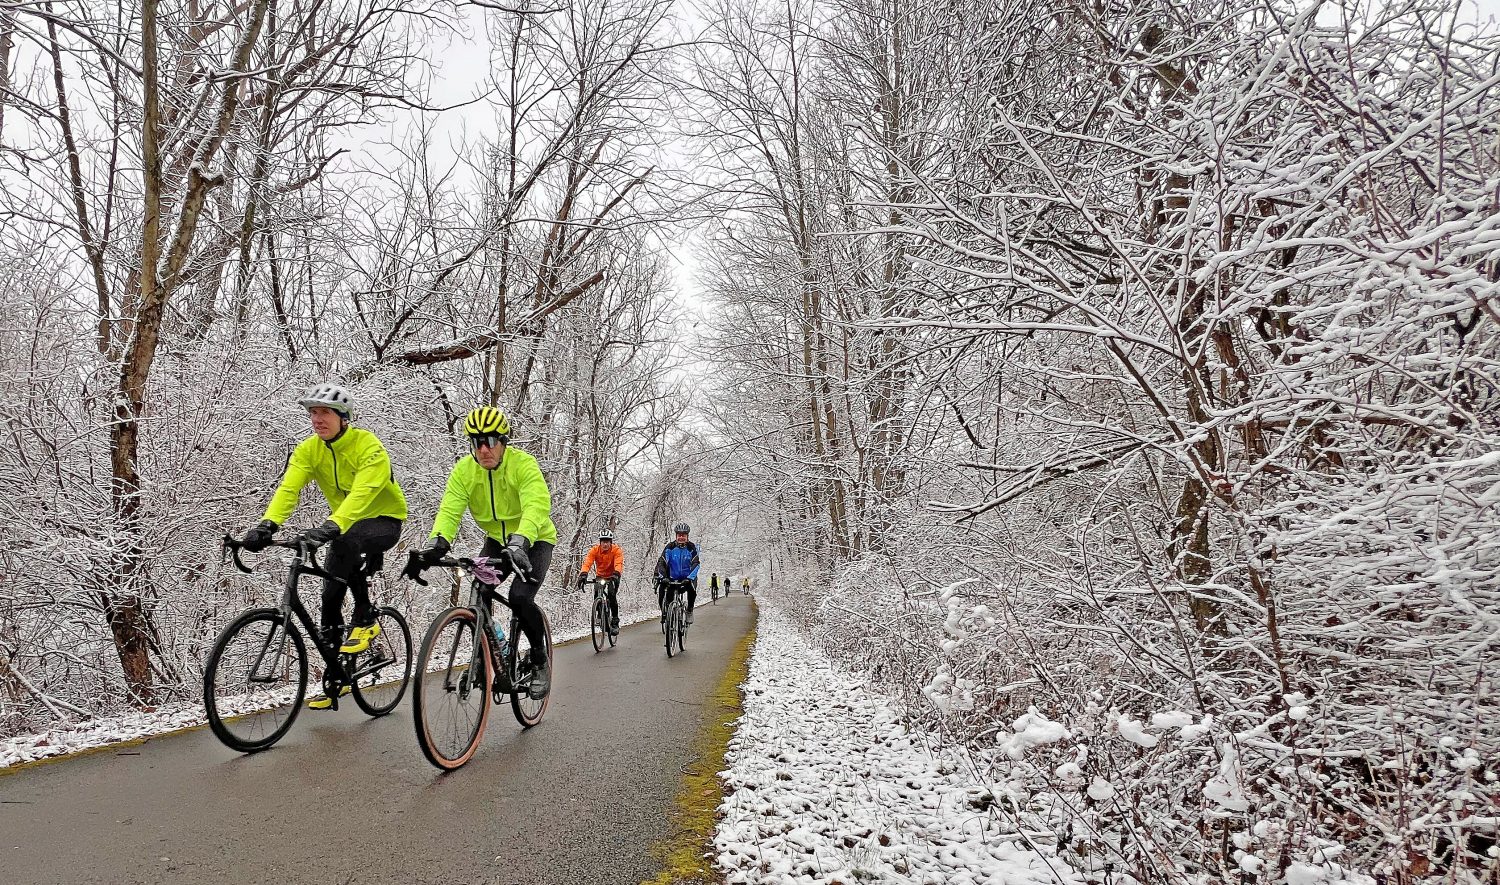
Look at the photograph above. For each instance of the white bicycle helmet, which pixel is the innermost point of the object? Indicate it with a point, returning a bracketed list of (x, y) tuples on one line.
[(331, 396)]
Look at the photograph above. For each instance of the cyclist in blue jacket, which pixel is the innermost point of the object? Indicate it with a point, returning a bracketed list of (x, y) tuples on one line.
[(679, 561)]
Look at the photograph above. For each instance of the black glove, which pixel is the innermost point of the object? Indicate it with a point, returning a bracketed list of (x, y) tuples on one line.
[(583, 579), (517, 546), (322, 534), (436, 549), (259, 537)]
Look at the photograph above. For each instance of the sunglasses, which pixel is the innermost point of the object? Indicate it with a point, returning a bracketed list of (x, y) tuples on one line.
[(490, 440)]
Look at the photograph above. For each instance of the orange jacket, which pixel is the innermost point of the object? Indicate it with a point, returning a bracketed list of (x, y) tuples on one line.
[(606, 563)]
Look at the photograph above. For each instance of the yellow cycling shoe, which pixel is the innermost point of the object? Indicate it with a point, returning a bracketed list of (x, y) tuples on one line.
[(324, 702), (359, 639)]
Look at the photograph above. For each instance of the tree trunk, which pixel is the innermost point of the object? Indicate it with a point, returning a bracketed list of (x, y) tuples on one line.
[(127, 615), (122, 606)]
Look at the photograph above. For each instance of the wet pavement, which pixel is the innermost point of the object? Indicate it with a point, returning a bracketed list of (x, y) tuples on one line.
[(343, 798)]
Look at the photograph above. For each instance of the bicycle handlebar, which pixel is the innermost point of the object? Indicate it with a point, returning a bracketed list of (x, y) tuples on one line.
[(415, 565), (233, 546)]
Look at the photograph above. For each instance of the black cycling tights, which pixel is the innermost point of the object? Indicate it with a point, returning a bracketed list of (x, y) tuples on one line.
[(612, 594), (523, 593), (661, 595), (346, 558)]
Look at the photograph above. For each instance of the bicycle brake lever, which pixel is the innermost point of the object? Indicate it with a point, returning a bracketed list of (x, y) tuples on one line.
[(510, 557), (232, 551), (413, 568)]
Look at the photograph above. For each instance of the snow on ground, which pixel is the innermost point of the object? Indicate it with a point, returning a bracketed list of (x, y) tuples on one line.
[(826, 786), (103, 731)]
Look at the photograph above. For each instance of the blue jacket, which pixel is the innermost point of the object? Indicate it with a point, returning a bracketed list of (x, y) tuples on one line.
[(678, 561)]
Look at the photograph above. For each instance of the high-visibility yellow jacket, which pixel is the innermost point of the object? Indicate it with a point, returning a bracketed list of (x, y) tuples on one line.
[(511, 499), (353, 472)]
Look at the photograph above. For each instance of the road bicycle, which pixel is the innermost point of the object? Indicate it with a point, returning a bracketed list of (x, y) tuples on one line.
[(674, 615), (259, 662), (464, 665), (599, 620), (715, 592)]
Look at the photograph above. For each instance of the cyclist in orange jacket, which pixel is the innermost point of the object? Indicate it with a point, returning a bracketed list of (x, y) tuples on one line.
[(608, 561)]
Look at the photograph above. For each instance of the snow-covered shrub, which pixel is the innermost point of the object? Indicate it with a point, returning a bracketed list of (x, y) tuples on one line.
[(1203, 323)]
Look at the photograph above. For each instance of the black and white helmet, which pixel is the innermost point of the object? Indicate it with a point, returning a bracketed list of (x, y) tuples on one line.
[(680, 528), (331, 396), (606, 535)]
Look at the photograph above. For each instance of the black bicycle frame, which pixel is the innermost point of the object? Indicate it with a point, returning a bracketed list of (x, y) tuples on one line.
[(675, 589), (480, 595), (291, 604), (599, 591)]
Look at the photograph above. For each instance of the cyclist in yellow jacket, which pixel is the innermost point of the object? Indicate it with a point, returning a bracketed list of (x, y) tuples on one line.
[(353, 471), (503, 489)]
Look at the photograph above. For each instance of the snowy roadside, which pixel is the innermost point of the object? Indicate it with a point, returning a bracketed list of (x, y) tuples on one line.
[(826, 786), (166, 718)]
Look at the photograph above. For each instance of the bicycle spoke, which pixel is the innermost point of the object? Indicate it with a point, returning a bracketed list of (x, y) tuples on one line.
[(253, 680), (528, 710), (381, 673), (451, 710)]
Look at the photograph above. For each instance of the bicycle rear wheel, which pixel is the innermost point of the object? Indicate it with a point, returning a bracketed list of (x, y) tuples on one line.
[(599, 624), (451, 701), (383, 671), (528, 710), (258, 663)]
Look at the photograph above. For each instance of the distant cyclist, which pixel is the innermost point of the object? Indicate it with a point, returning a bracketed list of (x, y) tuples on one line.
[(608, 561), (745, 587), (353, 471), (503, 489), (678, 562), (713, 584)]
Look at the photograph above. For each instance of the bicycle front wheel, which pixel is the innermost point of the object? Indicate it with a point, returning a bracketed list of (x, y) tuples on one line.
[(381, 673), (451, 701), (599, 624), (674, 616), (529, 711), (255, 679)]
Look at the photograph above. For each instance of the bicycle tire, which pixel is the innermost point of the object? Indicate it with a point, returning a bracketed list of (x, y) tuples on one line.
[(666, 628), (529, 711), (599, 624), (226, 724), (674, 614), (682, 631), (394, 643), (436, 693)]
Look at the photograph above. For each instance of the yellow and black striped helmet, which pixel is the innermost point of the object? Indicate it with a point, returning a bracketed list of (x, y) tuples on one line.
[(486, 420)]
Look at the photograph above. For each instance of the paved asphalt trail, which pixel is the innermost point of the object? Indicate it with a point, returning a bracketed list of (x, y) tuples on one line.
[(580, 798)]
